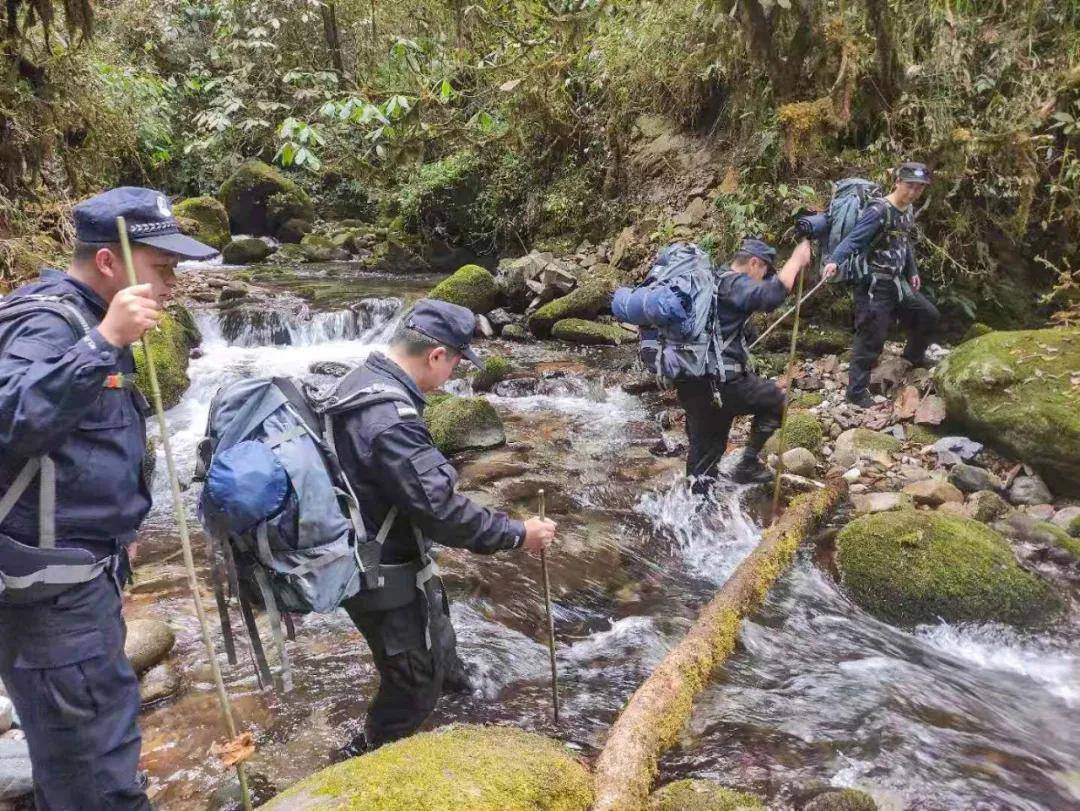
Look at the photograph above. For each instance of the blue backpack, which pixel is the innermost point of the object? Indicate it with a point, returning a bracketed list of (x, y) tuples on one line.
[(850, 199), (676, 306)]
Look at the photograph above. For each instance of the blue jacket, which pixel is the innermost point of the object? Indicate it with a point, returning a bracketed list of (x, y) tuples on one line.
[(893, 254), (737, 297), (390, 459), (53, 401)]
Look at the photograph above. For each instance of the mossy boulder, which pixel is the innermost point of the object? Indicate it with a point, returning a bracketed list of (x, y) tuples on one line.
[(845, 799), (857, 444), (471, 286), (580, 331), (1015, 391), (802, 430), (450, 769), (205, 219), (260, 199), (495, 370), (584, 302), (702, 795), (464, 423), (245, 251), (170, 344), (318, 248), (908, 567)]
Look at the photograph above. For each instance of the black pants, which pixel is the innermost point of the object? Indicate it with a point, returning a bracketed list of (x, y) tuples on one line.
[(411, 675), (63, 665), (873, 318), (708, 423)]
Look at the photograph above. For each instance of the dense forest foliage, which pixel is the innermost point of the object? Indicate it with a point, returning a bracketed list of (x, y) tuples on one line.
[(504, 124)]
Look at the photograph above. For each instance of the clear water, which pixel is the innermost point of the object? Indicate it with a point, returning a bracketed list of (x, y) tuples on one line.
[(942, 717)]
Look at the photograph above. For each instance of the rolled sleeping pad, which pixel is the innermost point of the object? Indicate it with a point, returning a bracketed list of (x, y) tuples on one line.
[(649, 306), (813, 226)]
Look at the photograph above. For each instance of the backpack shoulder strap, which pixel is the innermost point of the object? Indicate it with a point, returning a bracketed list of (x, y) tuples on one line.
[(63, 306)]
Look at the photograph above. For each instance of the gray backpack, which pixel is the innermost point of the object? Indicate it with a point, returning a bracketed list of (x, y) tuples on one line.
[(275, 492)]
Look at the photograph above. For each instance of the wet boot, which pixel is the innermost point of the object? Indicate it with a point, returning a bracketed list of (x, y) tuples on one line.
[(750, 470), (354, 748), (862, 399), (460, 678)]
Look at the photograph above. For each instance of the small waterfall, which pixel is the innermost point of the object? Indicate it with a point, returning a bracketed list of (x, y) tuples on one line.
[(370, 320)]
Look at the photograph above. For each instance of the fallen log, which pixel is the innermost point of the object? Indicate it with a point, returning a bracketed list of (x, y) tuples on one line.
[(651, 720)]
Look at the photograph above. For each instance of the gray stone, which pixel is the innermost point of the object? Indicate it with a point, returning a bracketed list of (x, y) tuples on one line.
[(856, 444), (516, 332), (501, 318), (987, 506), (953, 449), (800, 461), (15, 774), (148, 642), (1022, 527), (1065, 516), (913, 473), (971, 479), (159, 682), (245, 251), (1040, 512), (933, 492), (880, 502), (1029, 490)]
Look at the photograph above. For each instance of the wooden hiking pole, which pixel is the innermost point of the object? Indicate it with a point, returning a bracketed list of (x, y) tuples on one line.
[(780, 444), (185, 539), (550, 617)]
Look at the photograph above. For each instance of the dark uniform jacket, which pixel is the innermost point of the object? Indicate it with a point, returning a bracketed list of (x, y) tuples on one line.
[(391, 460), (892, 254), (53, 401), (738, 296)]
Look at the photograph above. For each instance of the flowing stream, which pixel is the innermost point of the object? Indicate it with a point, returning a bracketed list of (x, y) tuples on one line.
[(940, 718)]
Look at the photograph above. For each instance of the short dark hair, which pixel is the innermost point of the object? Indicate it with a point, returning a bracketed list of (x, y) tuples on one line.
[(86, 251), (742, 257), (415, 343)]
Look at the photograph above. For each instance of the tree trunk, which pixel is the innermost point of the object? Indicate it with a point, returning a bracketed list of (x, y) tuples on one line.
[(652, 718), (328, 10), (888, 61)]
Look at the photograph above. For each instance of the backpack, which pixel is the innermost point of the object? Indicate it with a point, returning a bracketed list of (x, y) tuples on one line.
[(850, 199), (675, 304), (276, 493)]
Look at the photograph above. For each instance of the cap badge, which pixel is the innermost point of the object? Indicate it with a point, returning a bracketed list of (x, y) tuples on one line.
[(163, 206)]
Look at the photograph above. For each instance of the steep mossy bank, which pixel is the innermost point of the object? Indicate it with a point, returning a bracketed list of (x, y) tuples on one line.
[(1017, 391), (450, 769), (908, 567)]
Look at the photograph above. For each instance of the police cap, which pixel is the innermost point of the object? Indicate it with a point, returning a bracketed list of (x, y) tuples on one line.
[(149, 222), (447, 323)]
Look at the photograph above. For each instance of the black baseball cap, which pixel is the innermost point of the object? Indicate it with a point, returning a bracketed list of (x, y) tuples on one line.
[(149, 222), (449, 324), (914, 172), (762, 250)]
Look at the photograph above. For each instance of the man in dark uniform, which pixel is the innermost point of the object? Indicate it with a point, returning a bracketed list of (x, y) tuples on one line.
[(747, 285), (892, 284), (72, 495), (391, 461)]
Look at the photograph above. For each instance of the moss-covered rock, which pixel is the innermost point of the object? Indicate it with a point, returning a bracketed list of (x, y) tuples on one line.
[(495, 370), (245, 251), (702, 795), (317, 248), (908, 567), (515, 332), (170, 344), (1014, 391), (802, 430), (807, 399), (813, 340), (206, 219), (987, 506), (976, 330), (845, 799), (584, 302), (861, 443), (260, 199), (579, 331), (464, 423), (450, 769), (471, 286)]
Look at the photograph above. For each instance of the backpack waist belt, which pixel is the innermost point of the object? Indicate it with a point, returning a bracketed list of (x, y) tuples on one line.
[(877, 276)]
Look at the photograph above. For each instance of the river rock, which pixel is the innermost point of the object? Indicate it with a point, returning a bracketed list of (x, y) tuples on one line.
[(159, 682), (500, 317), (450, 769), (579, 331), (585, 302), (953, 449), (148, 642), (464, 423), (933, 492), (852, 475), (515, 332), (16, 779), (1029, 490), (801, 430), (879, 502), (702, 795), (206, 220), (7, 714), (318, 248), (1024, 528), (971, 479), (908, 567), (293, 230), (245, 251), (1015, 391), (496, 369), (1068, 518), (471, 286), (857, 444), (510, 278), (987, 506), (1040, 512), (845, 799), (800, 461), (170, 344), (260, 199)]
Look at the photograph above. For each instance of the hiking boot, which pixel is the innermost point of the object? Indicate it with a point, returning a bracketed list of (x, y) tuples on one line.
[(750, 470), (460, 679), (863, 399), (354, 748)]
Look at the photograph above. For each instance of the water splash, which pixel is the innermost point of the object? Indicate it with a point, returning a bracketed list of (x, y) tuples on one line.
[(368, 320)]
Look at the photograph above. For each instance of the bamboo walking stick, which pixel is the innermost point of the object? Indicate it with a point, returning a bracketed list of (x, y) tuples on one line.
[(181, 525), (550, 617), (789, 311), (783, 417)]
